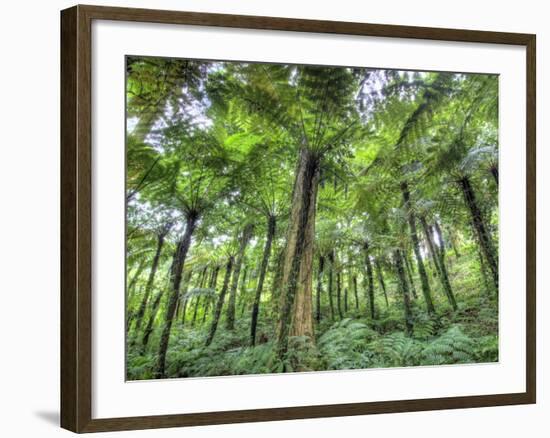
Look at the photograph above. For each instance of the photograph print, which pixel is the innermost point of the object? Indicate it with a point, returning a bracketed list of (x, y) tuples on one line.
[(300, 218)]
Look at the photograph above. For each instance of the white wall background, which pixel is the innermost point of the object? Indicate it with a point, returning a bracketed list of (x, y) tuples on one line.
[(29, 218)]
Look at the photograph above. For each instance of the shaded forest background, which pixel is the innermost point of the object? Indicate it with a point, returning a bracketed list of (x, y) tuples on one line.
[(289, 218)]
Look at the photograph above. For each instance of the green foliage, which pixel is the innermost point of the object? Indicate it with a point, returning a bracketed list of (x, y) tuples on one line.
[(220, 142), (453, 346), (343, 344)]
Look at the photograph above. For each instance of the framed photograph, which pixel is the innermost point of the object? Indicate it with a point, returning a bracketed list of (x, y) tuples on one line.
[(269, 218)]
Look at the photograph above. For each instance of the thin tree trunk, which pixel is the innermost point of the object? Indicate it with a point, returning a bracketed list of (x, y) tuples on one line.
[(133, 281), (494, 172), (296, 311), (149, 286), (339, 294), (441, 252), (331, 283), (370, 277), (439, 264), (175, 277), (183, 298), (355, 292), (200, 286), (150, 323), (319, 288), (245, 237), (219, 303), (416, 247), (483, 235), (345, 300), (483, 271), (243, 295), (212, 286), (408, 270), (271, 228), (404, 288), (381, 280)]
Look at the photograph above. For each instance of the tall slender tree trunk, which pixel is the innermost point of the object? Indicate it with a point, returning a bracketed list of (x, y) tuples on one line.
[(149, 286), (130, 290), (331, 283), (183, 295), (212, 286), (200, 286), (221, 299), (381, 280), (175, 277), (408, 271), (483, 271), (296, 310), (345, 300), (245, 237), (452, 240), (151, 322), (319, 288), (441, 253), (439, 264), (404, 288), (243, 294), (355, 292), (416, 247), (370, 277), (339, 294), (271, 228), (484, 238), (494, 172)]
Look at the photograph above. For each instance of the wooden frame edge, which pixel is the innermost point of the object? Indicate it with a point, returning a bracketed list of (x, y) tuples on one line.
[(76, 168)]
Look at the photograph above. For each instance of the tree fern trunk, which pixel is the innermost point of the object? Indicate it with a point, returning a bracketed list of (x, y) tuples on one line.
[(319, 288), (175, 276), (355, 293), (296, 314), (484, 238), (271, 228), (416, 247), (439, 264), (339, 294), (381, 280), (221, 299), (212, 286), (404, 289), (149, 286), (331, 283), (370, 277), (410, 278), (245, 237)]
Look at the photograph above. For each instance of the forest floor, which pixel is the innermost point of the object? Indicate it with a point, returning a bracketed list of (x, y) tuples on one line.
[(467, 335)]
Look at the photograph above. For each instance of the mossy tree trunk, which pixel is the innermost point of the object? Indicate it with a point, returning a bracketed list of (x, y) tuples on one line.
[(416, 248), (150, 281), (404, 289), (439, 264), (484, 238), (175, 280), (370, 278), (339, 294), (221, 299), (245, 238), (296, 309), (271, 228), (355, 292), (212, 286), (331, 284), (381, 281), (319, 288)]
